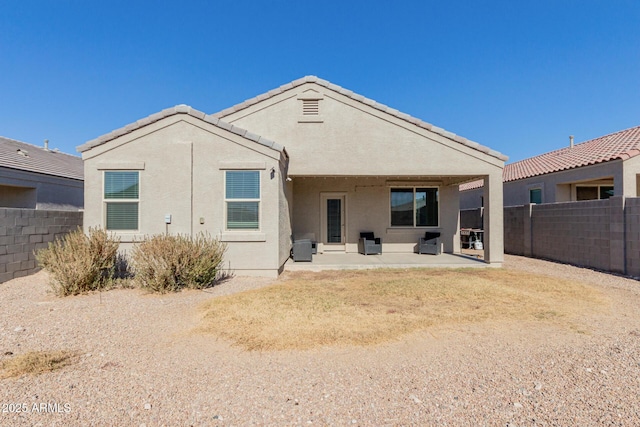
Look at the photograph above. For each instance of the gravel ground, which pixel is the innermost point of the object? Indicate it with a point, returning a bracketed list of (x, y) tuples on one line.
[(140, 366)]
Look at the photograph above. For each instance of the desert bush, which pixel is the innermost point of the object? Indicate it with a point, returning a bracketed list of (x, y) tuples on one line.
[(36, 362), (168, 263), (78, 262)]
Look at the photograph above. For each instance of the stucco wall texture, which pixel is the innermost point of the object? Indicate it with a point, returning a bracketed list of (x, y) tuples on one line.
[(23, 231)]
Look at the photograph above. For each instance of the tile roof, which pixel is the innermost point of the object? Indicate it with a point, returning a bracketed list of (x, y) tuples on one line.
[(179, 109), (22, 156), (620, 145), (367, 101), (479, 183)]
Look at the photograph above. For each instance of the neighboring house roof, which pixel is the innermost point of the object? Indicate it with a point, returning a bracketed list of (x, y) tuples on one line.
[(620, 145), (27, 157), (479, 183), (180, 109), (367, 101)]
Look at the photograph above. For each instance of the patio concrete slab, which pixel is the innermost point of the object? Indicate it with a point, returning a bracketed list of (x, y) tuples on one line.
[(355, 261)]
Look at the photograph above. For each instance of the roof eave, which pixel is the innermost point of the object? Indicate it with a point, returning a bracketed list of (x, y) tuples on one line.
[(168, 112)]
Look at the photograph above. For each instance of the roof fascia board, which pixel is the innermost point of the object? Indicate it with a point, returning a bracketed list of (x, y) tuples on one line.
[(16, 177)]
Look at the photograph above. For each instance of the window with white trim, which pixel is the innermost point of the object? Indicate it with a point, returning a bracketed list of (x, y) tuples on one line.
[(121, 198), (242, 199), (414, 207)]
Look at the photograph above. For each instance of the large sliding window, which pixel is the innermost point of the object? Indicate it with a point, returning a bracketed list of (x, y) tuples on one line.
[(121, 198), (242, 198), (593, 192), (414, 207)]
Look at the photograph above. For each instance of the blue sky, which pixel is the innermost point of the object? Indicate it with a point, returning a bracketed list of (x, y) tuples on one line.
[(517, 76)]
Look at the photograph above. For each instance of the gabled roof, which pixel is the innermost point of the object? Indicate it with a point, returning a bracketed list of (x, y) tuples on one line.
[(180, 109), (362, 99), (27, 157), (620, 145)]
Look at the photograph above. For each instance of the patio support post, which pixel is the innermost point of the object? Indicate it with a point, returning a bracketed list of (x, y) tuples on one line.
[(493, 219)]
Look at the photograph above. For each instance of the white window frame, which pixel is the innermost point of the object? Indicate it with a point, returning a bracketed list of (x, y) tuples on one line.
[(227, 200), (414, 188), (106, 201)]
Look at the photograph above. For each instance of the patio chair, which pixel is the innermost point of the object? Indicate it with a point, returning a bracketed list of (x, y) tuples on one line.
[(308, 236), (369, 244), (430, 243), (302, 250)]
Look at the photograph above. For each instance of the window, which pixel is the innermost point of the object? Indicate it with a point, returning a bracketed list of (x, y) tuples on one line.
[(593, 192), (121, 196), (606, 192), (535, 196), (242, 198), (414, 207)]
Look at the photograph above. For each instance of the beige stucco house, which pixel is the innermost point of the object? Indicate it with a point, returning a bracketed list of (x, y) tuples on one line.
[(596, 169), (350, 165)]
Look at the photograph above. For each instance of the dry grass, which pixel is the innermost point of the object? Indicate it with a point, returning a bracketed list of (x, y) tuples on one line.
[(308, 310), (35, 363)]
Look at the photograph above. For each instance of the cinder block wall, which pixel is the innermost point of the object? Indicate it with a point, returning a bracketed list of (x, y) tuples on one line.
[(471, 218), (22, 231), (573, 232), (514, 230), (632, 236), (602, 234)]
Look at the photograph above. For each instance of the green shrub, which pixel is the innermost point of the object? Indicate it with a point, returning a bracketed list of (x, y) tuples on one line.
[(168, 263), (78, 262)]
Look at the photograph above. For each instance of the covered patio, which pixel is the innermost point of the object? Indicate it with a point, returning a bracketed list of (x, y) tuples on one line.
[(356, 261)]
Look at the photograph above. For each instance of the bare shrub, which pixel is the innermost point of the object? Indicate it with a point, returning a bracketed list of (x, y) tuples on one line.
[(36, 362), (168, 263), (78, 262)]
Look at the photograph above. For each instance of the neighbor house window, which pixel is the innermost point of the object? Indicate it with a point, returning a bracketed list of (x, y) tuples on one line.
[(242, 198), (535, 196), (414, 207), (593, 192), (121, 197)]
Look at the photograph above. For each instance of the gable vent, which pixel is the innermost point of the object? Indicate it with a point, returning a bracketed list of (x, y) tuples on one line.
[(310, 107)]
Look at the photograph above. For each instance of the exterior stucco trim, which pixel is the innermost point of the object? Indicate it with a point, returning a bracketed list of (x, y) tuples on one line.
[(223, 165), (121, 166)]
